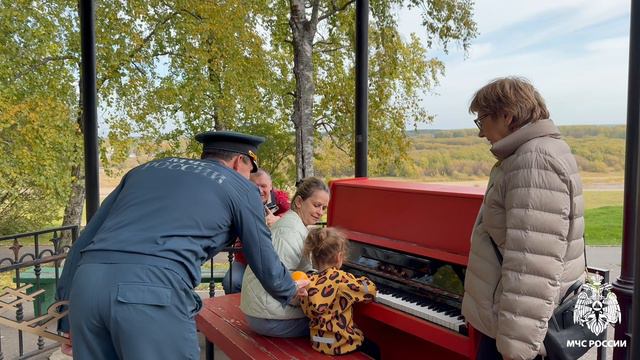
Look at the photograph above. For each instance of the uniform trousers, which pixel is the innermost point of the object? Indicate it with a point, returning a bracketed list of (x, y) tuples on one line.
[(132, 312)]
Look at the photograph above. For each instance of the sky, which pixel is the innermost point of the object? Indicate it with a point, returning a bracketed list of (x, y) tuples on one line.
[(575, 52)]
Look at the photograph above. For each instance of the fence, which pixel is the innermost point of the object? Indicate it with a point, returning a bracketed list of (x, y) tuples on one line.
[(34, 259)]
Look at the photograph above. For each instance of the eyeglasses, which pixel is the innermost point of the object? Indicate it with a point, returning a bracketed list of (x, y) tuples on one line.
[(478, 121)]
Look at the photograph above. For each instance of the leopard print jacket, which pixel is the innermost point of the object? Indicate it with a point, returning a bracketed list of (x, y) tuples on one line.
[(329, 306)]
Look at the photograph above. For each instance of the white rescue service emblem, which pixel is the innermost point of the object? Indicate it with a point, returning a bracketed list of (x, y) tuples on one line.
[(596, 307)]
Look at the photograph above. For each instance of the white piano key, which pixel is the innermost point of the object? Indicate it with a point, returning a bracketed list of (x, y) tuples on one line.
[(425, 312)]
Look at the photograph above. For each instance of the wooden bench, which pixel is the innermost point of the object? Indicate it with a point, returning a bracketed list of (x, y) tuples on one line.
[(224, 325)]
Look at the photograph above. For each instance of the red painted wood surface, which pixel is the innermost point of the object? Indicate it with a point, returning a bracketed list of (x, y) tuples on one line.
[(434, 221), (223, 323), (399, 334), (421, 219)]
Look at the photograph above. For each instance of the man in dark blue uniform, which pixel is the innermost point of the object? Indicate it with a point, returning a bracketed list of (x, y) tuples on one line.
[(130, 275)]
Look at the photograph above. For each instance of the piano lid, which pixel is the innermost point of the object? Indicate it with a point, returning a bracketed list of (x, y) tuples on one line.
[(423, 219)]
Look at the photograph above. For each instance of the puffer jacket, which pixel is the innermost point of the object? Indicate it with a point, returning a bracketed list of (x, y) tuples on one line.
[(533, 209), (288, 236)]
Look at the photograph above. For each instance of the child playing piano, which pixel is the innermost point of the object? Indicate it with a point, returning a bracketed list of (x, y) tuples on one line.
[(332, 293)]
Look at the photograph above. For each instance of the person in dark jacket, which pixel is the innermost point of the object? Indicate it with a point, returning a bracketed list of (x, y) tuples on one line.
[(275, 201), (130, 276)]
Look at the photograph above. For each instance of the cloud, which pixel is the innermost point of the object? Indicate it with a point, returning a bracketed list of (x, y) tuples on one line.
[(571, 19), (620, 43), (587, 89), (480, 50), (494, 15), (574, 51)]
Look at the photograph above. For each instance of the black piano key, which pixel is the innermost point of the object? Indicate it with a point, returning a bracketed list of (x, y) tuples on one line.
[(463, 330), (448, 307)]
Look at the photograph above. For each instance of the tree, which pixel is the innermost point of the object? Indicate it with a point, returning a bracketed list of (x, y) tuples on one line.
[(323, 45), (211, 69), (42, 58), (276, 68), (168, 69), (37, 134), (32, 188)]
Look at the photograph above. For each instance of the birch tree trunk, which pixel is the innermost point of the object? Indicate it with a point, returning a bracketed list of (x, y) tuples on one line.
[(303, 31), (73, 209)]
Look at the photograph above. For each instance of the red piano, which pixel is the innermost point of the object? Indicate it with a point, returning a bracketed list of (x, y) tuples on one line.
[(413, 241)]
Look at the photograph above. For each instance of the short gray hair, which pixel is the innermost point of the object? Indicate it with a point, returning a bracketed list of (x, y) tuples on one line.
[(513, 96), (261, 172)]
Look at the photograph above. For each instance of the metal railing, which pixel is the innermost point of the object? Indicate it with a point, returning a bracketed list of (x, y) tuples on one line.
[(231, 251), (43, 251), (605, 273), (34, 259)]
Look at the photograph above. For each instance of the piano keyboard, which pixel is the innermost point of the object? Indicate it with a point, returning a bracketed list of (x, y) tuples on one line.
[(441, 314)]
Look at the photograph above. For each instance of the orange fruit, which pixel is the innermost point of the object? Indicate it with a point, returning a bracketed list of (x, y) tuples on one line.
[(299, 275)]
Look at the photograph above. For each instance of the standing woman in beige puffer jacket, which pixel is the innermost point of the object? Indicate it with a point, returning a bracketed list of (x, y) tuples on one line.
[(533, 210)]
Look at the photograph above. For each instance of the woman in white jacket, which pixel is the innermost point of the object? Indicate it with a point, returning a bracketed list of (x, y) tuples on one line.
[(264, 314)]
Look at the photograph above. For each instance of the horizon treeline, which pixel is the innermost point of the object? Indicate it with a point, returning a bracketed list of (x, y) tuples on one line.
[(462, 155), (452, 155)]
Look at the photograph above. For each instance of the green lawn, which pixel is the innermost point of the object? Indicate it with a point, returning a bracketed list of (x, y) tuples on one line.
[(603, 217), (603, 225)]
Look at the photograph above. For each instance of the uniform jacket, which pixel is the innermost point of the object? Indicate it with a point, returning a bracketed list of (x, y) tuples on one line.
[(329, 306), (288, 236), (281, 200), (533, 209), (181, 212)]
